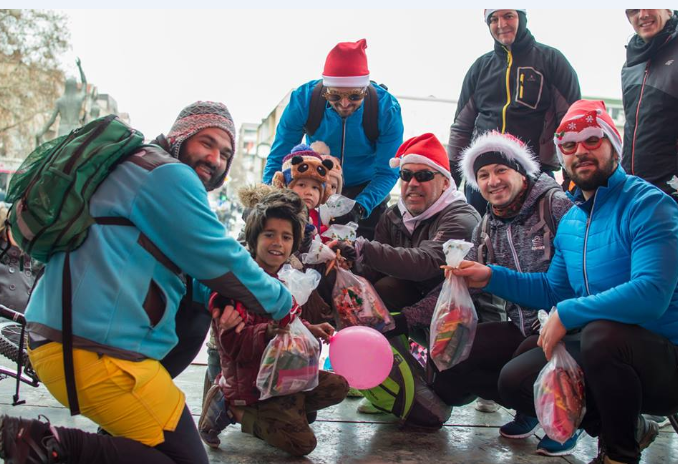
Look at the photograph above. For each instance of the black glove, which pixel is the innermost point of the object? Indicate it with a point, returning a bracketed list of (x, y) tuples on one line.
[(357, 213), (347, 251), (401, 327)]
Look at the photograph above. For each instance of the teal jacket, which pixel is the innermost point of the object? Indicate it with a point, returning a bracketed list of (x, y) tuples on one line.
[(126, 280), (615, 259), (363, 161)]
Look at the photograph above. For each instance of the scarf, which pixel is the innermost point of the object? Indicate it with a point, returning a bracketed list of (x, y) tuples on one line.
[(448, 197), (639, 51)]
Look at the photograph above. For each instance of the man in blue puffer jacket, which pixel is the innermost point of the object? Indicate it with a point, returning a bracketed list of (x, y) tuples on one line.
[(614, 278), (359, 120)]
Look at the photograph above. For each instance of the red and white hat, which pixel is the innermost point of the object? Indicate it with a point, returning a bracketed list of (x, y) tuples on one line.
[(584, 119), (346, 65), (423, 149)]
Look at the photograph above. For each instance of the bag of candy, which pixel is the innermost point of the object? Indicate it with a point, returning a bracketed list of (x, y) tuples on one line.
[(356, 302), (335, 206), (454, 321), (344, 232), (290, 361), (559, 393)]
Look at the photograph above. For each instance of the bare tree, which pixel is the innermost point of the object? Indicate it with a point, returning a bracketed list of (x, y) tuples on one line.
[(31, 42)]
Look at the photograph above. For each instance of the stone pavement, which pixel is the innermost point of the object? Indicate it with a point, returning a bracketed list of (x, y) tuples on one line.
[(344, 436)]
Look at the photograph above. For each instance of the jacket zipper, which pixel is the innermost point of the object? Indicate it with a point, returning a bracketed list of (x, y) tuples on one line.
[(515, 259), (635, 129), (343, 140), (509, 60), (586, 239)]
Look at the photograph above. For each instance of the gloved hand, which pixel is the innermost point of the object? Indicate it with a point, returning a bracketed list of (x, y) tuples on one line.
[(347, 250), (401, 327), (357, 213)]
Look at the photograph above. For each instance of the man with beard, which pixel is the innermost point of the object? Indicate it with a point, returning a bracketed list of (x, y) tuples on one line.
[(650, 95), (522, 87), (126, 284), (614, 279)]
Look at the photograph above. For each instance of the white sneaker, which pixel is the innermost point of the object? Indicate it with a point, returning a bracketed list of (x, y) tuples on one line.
[(483, 405)]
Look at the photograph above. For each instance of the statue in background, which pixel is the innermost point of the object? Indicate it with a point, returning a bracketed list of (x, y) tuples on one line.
[(68, 106)]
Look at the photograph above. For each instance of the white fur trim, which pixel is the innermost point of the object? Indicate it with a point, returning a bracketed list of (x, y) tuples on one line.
[(421, 159), (581, 136), (346, 81), (489, 142)]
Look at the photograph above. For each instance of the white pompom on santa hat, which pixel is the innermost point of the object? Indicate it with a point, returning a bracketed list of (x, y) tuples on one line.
[(346, 66), (584, 119), (493, 147), (423, 149)]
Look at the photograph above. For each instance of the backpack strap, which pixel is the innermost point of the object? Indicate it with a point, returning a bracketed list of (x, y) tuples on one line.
[(546, 210), (371, 114), (67, 337), (315, 110), (485, 242)]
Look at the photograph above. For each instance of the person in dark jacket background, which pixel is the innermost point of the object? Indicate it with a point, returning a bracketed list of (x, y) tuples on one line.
[(522, 87), (650, 96)]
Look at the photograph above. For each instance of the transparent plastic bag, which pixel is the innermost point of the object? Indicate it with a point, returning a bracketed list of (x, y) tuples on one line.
[(335, 206), (318, 252), (300, 284), (454, 321), (559, 394), (345, 232), (289, 363), (356, 302)]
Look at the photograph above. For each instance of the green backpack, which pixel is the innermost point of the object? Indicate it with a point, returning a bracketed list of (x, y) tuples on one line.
[(405, 392), (50, 213), (51, 190)]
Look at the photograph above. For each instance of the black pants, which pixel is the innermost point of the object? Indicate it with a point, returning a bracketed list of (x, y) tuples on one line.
[(183, 446), (628, 370), (477, 376)]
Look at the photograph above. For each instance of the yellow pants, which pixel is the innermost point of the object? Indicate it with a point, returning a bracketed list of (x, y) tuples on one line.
[(137, 400)]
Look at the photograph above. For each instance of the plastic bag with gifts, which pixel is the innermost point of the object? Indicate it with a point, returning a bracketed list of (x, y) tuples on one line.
[(345, 232), (356, 302), (318, 252), (300, 284), (559, 393), (289, 363), (454, 321), (335, 206)]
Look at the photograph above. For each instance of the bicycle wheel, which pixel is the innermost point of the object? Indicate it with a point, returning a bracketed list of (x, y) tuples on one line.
[(10, 334)]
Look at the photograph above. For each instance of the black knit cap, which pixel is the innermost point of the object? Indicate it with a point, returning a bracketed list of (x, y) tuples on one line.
[(495, 157)]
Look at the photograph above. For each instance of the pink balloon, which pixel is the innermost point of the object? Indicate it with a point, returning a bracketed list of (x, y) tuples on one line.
[(361, 355)]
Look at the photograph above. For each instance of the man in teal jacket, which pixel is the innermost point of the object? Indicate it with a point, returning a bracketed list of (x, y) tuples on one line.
[(126, 287), (359, 120), (613, 278)]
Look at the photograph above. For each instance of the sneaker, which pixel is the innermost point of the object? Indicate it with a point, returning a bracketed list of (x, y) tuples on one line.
[(662, 421), (483, 405), (354, 393), (521, 426), (550, 447), (214, 417), (365, 407), (646, 432), (29, 441)]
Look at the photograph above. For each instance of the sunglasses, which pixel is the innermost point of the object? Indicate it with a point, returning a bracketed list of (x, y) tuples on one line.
[(568, 148), (421, 176), (334, 97)]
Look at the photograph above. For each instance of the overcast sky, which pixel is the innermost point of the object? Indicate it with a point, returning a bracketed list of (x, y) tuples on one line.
[(154, 62)]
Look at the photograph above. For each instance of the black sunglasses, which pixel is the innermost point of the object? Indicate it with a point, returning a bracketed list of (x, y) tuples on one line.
[(421, 176)]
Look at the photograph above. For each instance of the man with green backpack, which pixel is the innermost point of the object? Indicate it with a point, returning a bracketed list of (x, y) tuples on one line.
[(118, 224)]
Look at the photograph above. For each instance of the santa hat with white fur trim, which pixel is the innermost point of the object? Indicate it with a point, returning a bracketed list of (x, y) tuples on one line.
[(346, 66), (423, 149), (496, 148), (584, 119)]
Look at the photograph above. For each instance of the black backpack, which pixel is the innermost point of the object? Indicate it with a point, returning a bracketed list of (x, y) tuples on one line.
[(370, 111)]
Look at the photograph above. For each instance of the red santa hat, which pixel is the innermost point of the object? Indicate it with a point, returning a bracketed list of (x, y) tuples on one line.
[(584, 119), (346, 65), (493, 147), (423, 149)]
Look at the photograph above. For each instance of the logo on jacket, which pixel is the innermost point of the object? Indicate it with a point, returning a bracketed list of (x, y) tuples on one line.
[(538, 243), (669, 63)]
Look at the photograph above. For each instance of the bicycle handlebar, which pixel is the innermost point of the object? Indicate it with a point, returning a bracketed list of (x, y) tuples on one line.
[(12, 314)]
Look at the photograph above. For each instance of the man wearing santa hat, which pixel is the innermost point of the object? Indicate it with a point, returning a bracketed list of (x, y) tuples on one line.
[(522, 87), (614, 278), (359, 120)]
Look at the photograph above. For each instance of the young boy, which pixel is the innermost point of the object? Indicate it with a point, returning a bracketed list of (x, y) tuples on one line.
[(335, 181), (273, 232)]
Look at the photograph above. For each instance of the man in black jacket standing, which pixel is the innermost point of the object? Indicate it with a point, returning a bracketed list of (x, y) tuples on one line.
[(650, 94), (522, 87)]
